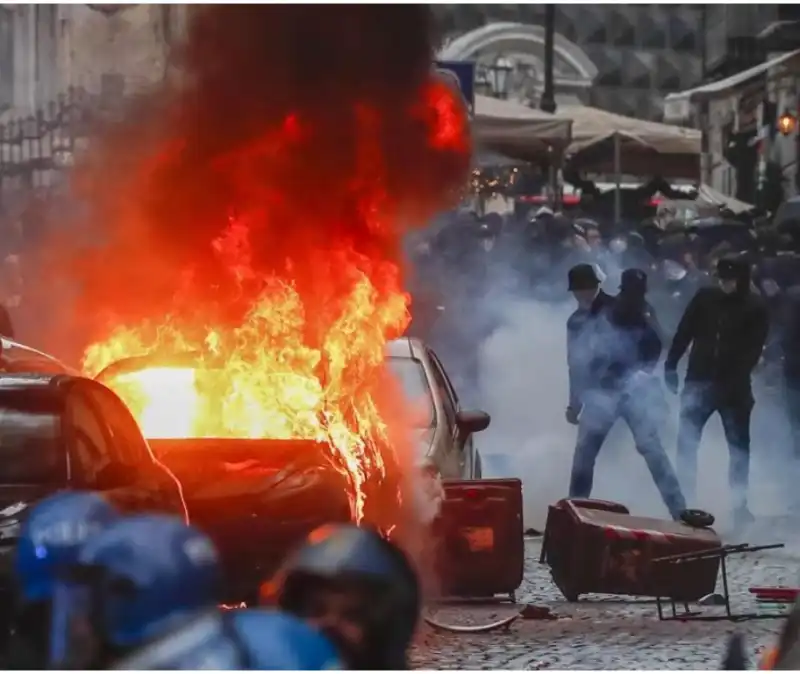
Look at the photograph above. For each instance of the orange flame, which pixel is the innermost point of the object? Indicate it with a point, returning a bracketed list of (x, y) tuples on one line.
[(269, 245), (261, 380)]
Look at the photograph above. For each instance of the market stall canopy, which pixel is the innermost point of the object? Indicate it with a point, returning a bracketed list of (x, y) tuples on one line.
[(488, 159), (678, 106), (646, 148), (518, 131)]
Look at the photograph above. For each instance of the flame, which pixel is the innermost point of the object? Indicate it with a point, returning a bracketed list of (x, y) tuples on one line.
[(259, 228), (261, 380)]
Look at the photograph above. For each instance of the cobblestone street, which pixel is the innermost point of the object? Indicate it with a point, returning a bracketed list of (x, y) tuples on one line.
[(614, 632)]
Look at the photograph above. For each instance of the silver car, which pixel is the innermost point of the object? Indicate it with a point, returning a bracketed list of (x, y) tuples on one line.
[(446, 432)]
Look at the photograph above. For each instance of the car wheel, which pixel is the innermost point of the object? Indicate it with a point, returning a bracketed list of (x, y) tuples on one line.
[(477, 471)]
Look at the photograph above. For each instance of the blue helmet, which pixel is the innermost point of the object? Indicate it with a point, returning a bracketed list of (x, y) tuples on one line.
[(51, 536), (377, 575), (155, 571), (236, 640)]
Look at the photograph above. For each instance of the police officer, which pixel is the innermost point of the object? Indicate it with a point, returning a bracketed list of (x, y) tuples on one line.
[(625, 347), (727, 327), (356, 587), (137, 581), (50, 540)]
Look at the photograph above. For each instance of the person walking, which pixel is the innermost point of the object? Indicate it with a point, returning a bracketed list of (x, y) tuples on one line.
[(625, 350), (727, 327)]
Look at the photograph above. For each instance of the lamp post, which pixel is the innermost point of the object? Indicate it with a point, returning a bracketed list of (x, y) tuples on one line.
[(500, 72), (548, 101), (787, 123)]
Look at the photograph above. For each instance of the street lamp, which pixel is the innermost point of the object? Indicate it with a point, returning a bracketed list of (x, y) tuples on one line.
[(787, 123), (501, 70)]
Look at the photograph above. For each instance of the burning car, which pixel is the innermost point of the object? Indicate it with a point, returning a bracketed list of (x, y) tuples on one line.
[(256, 494)]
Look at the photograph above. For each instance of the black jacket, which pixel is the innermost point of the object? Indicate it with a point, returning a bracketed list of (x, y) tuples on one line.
[(582, 328), (727, 334), (630, 342)]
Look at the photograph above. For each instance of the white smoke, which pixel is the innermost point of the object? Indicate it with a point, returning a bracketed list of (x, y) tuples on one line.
[(523, 385)]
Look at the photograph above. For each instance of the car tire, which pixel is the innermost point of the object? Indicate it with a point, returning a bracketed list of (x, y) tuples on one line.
[(477, 469)]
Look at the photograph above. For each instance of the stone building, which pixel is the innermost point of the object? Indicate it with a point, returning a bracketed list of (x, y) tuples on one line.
[(640, 52), (107, 50), (59, 64)]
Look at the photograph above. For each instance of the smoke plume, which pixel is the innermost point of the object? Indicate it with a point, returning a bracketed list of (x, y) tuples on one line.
[(293, 131)]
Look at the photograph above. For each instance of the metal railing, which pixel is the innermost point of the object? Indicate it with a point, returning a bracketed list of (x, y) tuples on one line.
[(35, 149)]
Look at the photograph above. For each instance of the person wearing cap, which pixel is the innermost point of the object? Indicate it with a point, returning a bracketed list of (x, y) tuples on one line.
[(625, 350), (726, 327), (584, 284)]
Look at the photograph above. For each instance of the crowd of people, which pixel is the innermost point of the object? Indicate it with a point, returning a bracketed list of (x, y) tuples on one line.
[(95, 589), (725, 289)]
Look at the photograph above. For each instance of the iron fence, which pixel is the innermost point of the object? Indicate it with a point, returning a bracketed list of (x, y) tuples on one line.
[(36, 149)]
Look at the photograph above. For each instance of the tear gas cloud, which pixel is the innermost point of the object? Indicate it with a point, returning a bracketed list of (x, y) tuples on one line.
[(520, 377)]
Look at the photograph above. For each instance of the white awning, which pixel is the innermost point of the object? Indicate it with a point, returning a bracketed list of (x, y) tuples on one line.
[(678, 106)]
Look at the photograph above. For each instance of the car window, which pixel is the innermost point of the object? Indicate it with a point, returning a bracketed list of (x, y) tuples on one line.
[(30, 447), (411, 375), (95, 464), (440, 382), (130, 445)]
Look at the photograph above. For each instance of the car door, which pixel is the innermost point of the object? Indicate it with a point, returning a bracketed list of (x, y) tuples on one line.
[(454, 463), (463, 444), (110, 454)]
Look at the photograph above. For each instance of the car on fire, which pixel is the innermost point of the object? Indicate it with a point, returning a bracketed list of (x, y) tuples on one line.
[(256, 498)]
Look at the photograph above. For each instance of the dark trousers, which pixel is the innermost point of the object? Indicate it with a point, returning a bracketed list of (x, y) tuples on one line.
[(698, 402), (600, 410)]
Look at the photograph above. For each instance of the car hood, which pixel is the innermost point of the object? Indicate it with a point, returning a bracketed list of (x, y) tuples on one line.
[(257, 475)]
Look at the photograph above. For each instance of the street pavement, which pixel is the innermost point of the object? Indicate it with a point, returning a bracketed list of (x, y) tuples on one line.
[(606, 632)]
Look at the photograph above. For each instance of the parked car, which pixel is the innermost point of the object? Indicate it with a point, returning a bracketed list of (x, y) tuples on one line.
[(61, 431), (445, 433)]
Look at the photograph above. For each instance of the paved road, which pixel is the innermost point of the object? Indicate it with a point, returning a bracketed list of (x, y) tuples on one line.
[(613, 632)]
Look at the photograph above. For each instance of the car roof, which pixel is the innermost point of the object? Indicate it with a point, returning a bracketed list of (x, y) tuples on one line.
[(402, 347)]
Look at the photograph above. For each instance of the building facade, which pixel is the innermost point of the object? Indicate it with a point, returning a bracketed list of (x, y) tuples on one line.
[(61, 63), (752, 74), (640, 52)]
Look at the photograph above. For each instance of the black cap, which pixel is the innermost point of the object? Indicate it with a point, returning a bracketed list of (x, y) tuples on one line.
[(583, 277), (633, 280)]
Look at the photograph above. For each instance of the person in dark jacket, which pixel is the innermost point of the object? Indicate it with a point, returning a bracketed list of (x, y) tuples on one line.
[(727, 328), (584, 284), (625, 349)]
